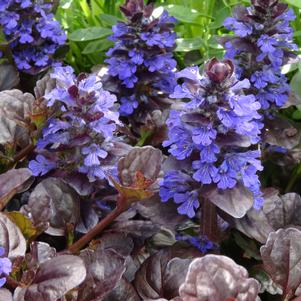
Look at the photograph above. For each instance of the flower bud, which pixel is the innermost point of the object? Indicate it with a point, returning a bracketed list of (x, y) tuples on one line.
[(219, 71)]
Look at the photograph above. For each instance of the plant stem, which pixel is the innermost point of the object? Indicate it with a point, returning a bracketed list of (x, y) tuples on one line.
[(11, 282), (208, 225), (23, 153), (122, 205)]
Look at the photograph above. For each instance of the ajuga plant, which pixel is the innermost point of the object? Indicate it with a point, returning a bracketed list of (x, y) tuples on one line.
[(5, 267), (210, 136), (78, 138), (141, 62), (261, 45), (33, 34)]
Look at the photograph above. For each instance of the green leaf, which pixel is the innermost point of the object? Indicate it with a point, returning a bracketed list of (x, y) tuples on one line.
[(185, 14), (65, 4), (220, 16), (296, 83), (110, 20), (297, 33), (24, 223), (296, 3), (289, 68), (185, 45), (89, 34), (297, 115), (97, 46)]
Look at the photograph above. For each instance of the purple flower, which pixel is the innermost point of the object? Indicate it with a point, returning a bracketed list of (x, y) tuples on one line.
[(128, 105), (240, 28), (225, 177), (181, 143), (203, 244), (93, 173), (80, 137), (205, 173), (141, 62), (266, 23), (203, 135), (208, 154), (41, 166), (188, 201), (5, 267), (93, 153), (174, 182), (215, 126), (34, 32), (136, 57), (267, 44), (119, 30)]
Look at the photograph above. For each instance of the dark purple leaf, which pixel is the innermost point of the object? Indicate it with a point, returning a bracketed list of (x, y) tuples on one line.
[(282, 132), (12, 182), (138, 228), (54, 278), (119, 242), (54, 202), (105, 268), (236, 201), (5, 295), (277, 212), (162, 214), (124, 291), (128, 214), (9, 77), (79, 183), (11, 238), (88, 217), (146, 160), (162, 273), (124, 246), (120, 149), (163, 299), (15, 109), (138, 173), (281, 256), (218, 278), (44, 86), (39, 253)]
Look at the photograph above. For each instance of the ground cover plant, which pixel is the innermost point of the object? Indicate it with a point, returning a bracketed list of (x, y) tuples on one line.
[(150, 150)]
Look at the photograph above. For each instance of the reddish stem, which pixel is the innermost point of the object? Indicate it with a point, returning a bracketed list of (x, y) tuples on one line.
[(11, 282), (122, 205), (21, 155), (209, 225)]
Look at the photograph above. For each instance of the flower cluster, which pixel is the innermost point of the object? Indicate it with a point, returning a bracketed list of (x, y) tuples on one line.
[(203, 244), (80, 137), (32, 32), (209, 135), (5, 267), (261, 45), (143, 50)]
